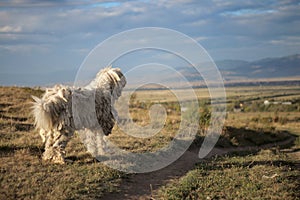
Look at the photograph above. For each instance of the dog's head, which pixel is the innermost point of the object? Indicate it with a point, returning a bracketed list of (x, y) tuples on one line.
[(108, 86), (112, 79)]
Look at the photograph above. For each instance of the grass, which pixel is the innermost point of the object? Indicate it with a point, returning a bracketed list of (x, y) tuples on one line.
[(267, 175), (24, 176), (22, 173)]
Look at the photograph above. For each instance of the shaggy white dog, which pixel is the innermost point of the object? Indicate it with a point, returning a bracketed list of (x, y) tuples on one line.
[(62, 110)]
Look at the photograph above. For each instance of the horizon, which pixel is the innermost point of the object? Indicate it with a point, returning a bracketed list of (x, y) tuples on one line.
[(43, 43)]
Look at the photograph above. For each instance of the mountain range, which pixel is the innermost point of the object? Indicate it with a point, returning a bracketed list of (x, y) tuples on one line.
[(268, 69), (240, 70), (288, 66)]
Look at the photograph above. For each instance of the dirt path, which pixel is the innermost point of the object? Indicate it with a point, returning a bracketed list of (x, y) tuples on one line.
[(141, 186)]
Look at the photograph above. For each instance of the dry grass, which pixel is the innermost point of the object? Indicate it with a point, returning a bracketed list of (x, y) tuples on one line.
[(25, 176), (266, 175)]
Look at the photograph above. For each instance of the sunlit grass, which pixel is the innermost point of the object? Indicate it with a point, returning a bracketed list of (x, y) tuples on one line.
[(24, 175), (267, 175)]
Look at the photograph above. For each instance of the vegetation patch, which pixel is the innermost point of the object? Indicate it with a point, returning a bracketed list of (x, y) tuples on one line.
[(267, 175)]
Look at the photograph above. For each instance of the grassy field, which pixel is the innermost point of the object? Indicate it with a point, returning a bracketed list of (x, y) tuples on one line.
[(272, 173), (265, 175)]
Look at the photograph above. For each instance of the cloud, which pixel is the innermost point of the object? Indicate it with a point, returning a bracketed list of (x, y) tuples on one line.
[(248, 12), (29, 48), (57, 3), (61, 32), (286, 41), (10, 29)]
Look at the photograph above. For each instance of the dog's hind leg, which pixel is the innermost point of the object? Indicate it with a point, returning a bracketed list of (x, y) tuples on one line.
[(55, 146)]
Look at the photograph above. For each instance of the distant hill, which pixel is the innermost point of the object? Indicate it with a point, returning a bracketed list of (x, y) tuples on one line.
[(244, 71), (233, 71), (287, 66)]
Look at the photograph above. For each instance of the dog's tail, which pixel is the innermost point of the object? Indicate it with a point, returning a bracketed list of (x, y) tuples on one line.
[(47, 110), (42, 115)]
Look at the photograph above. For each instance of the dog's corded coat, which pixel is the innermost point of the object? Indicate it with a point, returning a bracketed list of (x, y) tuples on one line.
[(63, 110)]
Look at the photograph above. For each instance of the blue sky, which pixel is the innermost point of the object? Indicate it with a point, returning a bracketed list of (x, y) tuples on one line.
[(43, 42)]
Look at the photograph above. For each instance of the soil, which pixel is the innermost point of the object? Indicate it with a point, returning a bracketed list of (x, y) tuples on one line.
[(143, 186)]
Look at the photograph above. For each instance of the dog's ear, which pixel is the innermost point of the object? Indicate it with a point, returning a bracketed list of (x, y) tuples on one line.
[(119, 82), (61, 94), (36, 99)]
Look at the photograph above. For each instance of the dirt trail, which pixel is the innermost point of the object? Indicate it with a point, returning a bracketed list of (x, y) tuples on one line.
[(141, 186)]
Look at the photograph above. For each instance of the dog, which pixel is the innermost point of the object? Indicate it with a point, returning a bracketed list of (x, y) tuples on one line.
[(62, 110)]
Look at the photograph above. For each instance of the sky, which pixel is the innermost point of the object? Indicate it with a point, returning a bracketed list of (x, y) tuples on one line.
[(44, 42)]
